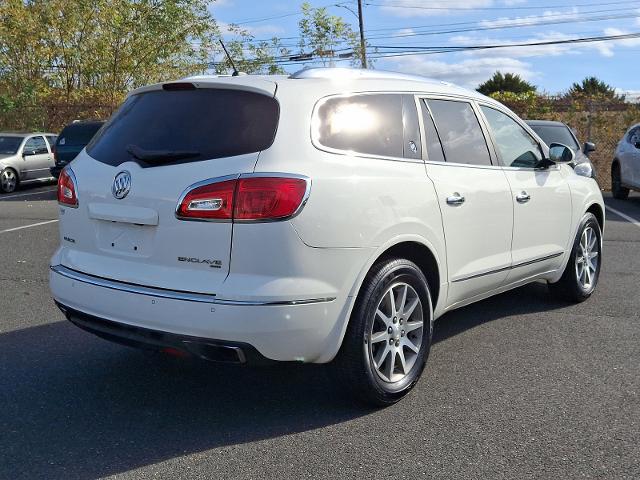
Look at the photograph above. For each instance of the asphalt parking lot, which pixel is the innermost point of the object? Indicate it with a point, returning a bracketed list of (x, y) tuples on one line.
[(517, 386)]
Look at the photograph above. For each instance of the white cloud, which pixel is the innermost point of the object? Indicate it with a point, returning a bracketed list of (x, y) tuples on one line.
[(402, 8), (257, 30), (467, 73), (606, 49), (627, 42), (549, 15)]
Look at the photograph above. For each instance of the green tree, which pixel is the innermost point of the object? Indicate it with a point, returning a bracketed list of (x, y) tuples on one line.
[(508, 82), (107, 46), (323, 34), (593, 87), (249, 55)]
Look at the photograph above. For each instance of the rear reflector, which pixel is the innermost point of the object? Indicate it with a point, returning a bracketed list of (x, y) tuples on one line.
[(244, 199), (67, 188)]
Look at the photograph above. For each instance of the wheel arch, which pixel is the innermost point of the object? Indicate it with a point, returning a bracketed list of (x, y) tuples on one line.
[(423, 257), (413, 247), (598, 212)]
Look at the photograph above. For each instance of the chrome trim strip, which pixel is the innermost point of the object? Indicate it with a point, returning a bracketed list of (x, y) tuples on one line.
[(174, 294), (503, 269)]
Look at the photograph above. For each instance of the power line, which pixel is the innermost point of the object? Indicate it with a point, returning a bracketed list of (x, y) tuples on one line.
[(513, 7), (432, 50), (531, 21), (284, 15)]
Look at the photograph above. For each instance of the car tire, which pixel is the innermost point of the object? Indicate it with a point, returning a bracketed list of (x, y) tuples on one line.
[(384, 328), (582, 271), (9, 180), (618, 191)]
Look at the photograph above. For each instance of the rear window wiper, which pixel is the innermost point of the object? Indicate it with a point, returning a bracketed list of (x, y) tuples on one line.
[(159, 156)]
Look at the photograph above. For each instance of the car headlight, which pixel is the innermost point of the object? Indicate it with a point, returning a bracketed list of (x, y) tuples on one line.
[(584, 169)]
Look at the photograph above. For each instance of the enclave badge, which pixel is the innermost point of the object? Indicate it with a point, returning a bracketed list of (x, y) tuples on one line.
[(121, 185)]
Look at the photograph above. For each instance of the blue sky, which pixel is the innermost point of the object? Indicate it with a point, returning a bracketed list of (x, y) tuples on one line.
[(419, 23)]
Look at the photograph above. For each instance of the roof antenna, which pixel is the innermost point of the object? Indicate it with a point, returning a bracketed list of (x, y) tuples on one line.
[(233, 65)]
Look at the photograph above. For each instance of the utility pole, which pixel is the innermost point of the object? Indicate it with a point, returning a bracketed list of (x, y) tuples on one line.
[(363, 49)]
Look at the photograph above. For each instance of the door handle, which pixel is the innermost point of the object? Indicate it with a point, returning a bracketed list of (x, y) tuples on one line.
[(523, 197), (455, 200)]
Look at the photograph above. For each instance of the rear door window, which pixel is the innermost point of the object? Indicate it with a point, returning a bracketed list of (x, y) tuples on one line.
[(460, 132), (205, 123), (368, 124)]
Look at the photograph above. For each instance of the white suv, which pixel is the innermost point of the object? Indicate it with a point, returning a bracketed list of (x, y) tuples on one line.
[(625, 169), (330, 215)]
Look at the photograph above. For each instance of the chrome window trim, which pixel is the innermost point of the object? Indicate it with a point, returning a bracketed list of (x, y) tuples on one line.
[(174, 294), (352, 153), (238, 176)]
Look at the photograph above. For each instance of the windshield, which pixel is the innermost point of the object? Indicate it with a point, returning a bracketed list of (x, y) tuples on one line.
[(10, 145), (556, 134), (181, 126)]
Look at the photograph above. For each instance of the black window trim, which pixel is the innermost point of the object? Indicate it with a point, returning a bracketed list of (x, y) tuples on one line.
[(527, 128), (495, 163), (315, 119)]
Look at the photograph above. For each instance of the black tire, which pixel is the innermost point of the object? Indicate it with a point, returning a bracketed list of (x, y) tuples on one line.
[(354, 363), (6, 188), (618, 191), (570, 287)]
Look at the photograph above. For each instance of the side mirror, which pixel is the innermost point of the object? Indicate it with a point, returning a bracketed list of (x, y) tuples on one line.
[(28, 153), (589, 147), (559, 153)]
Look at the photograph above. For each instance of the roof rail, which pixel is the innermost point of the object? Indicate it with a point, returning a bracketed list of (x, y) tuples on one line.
[(359, 73)]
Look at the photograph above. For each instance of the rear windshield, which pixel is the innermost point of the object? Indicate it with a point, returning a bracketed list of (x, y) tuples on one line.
[(556, 134), (208, 123), (78, 134)]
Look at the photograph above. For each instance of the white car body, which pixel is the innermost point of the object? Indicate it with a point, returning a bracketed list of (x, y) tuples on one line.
[(627, 158), (287, 288)]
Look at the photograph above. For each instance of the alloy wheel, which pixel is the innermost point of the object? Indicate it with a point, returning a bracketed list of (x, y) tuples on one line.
[(587, 258), (8, 180), (396, 332)]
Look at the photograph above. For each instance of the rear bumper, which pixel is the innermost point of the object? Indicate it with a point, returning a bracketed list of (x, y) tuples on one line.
[(205, 348), (302, 330)]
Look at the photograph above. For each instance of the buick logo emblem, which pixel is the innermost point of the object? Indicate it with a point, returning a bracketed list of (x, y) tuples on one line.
[(121, 185)]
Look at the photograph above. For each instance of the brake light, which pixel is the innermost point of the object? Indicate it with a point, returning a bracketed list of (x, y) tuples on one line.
[(244, 199), (268, 198), (67, 188)]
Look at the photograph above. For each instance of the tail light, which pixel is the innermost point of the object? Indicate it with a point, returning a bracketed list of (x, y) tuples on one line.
[(53, 153), (260, 198), (67, 188)]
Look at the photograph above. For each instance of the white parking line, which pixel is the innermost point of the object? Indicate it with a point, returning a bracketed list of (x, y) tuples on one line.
[(26, 194), (27, 226), (624, 215)]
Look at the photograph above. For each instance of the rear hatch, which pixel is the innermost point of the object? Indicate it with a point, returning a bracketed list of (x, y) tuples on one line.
[(73, 139), (166, 140)]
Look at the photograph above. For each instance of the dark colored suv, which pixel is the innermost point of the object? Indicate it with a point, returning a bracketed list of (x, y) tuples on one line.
[(73, 138)]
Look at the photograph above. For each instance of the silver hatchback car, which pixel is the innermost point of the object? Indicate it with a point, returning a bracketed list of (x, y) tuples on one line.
[(24, 157)]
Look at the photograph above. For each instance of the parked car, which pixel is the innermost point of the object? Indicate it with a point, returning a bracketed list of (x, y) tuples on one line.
[(330, 215), (625, 169), (558, 132), (73, 138), (24, 157)]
